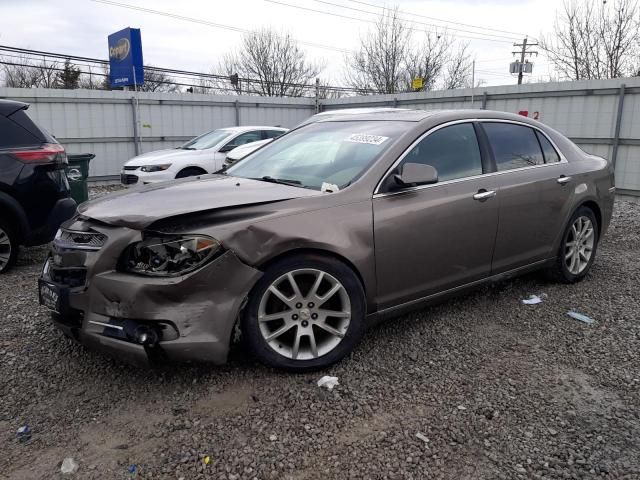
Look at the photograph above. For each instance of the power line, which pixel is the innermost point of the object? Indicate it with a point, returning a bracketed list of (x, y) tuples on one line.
[(205, 22), (440, 19), (510, 38), (366, 20)]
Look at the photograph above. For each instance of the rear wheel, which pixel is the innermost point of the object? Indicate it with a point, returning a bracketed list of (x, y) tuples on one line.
[(8, 247), (305, 313), (578, 248), (190, 172)]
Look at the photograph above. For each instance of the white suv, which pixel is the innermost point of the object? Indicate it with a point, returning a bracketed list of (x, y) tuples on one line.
[(203, 154)]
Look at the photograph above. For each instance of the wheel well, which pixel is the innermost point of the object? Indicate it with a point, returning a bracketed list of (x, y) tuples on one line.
[(593, 206), (315, 251), (198, 169), (13, 222)]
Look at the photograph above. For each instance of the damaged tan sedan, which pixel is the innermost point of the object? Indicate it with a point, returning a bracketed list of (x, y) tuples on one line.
[(341, 222)]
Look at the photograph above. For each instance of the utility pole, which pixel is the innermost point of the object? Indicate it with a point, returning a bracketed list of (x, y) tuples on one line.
[(523, 52)]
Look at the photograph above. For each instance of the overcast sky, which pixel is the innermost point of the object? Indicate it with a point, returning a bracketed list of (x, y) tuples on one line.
[(80, 27)]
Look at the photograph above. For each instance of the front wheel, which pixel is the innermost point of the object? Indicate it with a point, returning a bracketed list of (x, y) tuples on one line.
[(578, 248), (304, 314)]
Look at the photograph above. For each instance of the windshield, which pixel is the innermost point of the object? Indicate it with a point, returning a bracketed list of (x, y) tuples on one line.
[(206, 140), (322, 156)]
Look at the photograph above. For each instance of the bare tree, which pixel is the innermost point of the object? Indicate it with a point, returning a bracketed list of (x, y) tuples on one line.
[(274, 62), (457, 73), (394, 52), (595, 39), (157, 81), (24, 72), (380, 62)]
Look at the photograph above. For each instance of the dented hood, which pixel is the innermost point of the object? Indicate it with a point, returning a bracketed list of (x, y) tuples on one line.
[(140, 207)]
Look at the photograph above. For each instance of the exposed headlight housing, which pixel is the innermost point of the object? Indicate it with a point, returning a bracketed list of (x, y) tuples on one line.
[(155, 168), (170, 255)]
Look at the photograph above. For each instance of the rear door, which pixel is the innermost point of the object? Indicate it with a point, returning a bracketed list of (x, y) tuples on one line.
[(533, 193), (436, 237)]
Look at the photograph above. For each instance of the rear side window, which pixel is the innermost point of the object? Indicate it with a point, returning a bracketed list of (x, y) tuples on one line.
[(453, 151), (247, 137), (514, 146), (550, 154), (13, 135)]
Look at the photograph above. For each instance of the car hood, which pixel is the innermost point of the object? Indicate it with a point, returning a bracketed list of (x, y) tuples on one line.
[(162, 156), (140, 207)]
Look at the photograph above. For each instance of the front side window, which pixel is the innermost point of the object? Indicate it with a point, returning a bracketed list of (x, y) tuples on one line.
[(244, 138), (514, 146), (550, 154), (272, 133), (453, 151), (333, 153), (208, 140)]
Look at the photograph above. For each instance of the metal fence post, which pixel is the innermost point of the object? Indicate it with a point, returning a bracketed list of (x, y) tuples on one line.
[(136, 135), (616, 134), (237, 106), (317, 95), (484, 100)]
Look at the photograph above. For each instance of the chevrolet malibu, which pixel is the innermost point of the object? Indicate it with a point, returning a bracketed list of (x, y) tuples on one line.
[(338, 224)]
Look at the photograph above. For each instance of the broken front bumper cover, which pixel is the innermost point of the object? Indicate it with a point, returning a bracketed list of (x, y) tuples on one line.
[(141, 319)]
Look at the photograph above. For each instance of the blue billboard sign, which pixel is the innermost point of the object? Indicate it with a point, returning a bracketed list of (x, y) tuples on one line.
[(125, 58)]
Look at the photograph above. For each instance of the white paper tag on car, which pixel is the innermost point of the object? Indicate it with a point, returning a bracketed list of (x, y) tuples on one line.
[(329, 187), (364, 138)]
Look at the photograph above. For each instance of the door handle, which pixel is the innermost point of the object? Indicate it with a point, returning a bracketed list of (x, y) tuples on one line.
[(563, 180), (484, 194)]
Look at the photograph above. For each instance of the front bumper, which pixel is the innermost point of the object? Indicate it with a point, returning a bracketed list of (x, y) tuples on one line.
[(131, 178), (193, 315)]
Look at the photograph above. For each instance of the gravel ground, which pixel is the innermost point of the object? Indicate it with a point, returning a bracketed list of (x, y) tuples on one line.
[(497, 389)]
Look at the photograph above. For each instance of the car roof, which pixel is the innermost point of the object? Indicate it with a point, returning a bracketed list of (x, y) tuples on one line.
[(408, 115), (7, 107)]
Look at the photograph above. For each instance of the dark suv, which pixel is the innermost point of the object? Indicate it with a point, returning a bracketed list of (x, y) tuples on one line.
[(34, 192)]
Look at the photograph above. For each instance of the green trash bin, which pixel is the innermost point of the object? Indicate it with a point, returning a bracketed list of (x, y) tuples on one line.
[(77, 173)]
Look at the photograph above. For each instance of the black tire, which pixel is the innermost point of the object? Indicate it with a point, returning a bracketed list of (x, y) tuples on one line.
[(255, 341), (560, 271), (190, 172), (7, 234)]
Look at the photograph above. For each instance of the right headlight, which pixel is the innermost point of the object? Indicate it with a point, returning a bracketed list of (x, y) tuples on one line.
[(170, 255), (155, 168)]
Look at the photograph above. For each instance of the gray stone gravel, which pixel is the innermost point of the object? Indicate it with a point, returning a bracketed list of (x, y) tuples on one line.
[(499, 389)]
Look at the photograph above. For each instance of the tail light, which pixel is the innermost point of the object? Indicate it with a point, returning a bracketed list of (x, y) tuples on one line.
[(47, 153)]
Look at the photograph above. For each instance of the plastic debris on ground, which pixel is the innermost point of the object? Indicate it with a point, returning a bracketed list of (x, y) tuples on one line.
[(23, 433), (422, 437), (206, 460), (69, 466), (133, 469), (580, 316), (534, 299), (328, 382)]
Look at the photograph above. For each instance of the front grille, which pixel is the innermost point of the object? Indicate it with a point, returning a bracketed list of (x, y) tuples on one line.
[(128, 179), (69, 277), (81, 240), (127, 167)]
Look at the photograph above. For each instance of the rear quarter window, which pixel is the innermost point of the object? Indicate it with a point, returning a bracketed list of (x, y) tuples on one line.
[(550, 153)]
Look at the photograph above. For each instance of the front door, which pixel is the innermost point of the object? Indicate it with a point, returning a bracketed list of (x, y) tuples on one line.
[(435, 237)]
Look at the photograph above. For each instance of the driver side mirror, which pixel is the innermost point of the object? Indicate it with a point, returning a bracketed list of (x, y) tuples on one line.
[(227, 148), (414, 174)]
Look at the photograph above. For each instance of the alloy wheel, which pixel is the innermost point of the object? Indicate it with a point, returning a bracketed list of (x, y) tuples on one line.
[(579, 246), (5, 249), (304, 314)]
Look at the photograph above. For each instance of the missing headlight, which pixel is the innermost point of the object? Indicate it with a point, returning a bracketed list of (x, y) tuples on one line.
[(169, 256)]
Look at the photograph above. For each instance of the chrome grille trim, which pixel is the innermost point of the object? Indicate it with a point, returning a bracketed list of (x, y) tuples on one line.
[(74, 240)]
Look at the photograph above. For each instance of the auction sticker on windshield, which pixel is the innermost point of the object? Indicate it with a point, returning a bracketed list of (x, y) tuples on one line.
[(364, 138)]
